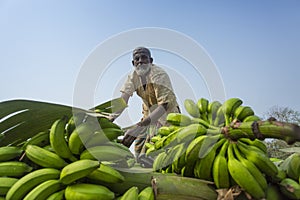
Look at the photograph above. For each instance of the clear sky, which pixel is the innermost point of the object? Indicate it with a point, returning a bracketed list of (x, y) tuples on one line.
[(255, 46)]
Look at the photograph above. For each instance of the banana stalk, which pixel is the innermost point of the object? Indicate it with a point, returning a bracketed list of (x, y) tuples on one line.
[(182, 188), (288, 132)]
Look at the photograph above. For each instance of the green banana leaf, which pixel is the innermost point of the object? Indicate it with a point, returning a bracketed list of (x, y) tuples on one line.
[(21, 119)]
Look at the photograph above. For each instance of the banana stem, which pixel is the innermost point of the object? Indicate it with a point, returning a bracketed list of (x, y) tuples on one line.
[(288, 132)]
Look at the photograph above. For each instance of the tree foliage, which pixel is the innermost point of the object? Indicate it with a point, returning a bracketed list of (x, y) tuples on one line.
[(284, 114)]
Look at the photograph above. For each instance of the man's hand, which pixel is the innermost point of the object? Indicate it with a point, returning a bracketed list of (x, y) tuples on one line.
[(132, 134)]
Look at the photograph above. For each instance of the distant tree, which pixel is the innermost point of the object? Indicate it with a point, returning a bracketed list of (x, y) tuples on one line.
[(283, 114)]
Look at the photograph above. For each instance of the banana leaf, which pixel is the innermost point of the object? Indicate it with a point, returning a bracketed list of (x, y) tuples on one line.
[(21, 119)]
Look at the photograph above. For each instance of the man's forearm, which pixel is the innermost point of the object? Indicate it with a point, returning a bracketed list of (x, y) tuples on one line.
[(155, 115)]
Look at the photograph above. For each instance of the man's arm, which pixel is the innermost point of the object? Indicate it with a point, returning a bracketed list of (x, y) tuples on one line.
[(115, 115), (155, 115)]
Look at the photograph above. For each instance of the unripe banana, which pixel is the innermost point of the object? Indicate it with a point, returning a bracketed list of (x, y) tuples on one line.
[(60, 195), (58, 141), (109, 152), (242, 112), (203, 167), (229, 107), (290, 188), (6, 183), (14, 168), (220, 118), (273, 192), (103, 136), (260, 178), (29, 181), (77, 170), (293, 168), (252, 118), (146, 194), (243, 177), (79, 137), (212, 111), (9, 153), (132, 194), (106, 173), (192, 151), (163, 131), (256, 142), (82, 191), (44, 158), (202, 104), (191, 108), (220, 171), (158, 162), (44, 190), (261, 160), (105, 123), (41, 139), (178, 119), (188, 133)]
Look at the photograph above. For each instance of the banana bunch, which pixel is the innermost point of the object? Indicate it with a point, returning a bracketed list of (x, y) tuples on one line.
[(215, 142), (58, 163)]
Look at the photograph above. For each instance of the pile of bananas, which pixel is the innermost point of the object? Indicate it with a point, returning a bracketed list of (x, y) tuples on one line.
[(74, 159), (222, 143)]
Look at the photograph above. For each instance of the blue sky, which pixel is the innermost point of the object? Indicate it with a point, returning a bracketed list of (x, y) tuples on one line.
[(255, 46)]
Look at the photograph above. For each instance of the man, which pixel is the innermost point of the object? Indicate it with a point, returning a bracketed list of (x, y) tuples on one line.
[(153, 85)]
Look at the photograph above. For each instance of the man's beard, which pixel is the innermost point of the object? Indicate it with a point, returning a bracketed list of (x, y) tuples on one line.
[(142, 69)]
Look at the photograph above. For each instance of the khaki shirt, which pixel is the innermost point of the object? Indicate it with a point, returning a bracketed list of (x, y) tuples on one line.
[(158, 90)]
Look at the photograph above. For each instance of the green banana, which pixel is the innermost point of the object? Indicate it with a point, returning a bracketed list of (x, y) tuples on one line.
[(259, 158), (58, 141), (179, 158), (107, 152), (6, 183), (81, 191), (103, 136), (172, 154), (260, 178), (29, 181), (40, 139), (242, 112), (229, 107), (163, 131), (158, 162), (44, 190), (105, 123), (256, 142), (75, 120), (212, 111), (290, 188), (14, 168), (192, 151), (188, 133), (178, 119), (251, 118), (220, 171), (293, 168), (60, 195), (79, 137), (44, 158), (220, 117), (191, 108), (243, 177), (77, 170), (202, 104), (273, 192), (203, 166), (106, 173), (146, 194), (9, 153), (132, 194)]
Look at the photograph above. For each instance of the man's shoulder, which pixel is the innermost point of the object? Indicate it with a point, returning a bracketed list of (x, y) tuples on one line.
[(157, 69)]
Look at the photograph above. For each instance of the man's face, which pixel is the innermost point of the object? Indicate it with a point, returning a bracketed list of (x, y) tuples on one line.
[(140, 58)]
